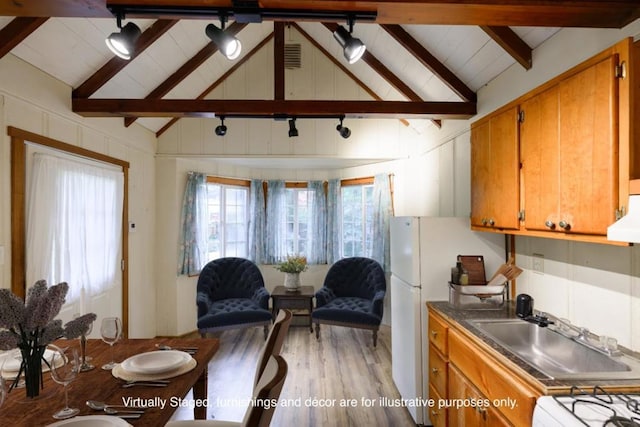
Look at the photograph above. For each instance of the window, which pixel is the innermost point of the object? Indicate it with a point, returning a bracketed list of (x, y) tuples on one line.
[(357, 220), (228, 220), (298, 218)]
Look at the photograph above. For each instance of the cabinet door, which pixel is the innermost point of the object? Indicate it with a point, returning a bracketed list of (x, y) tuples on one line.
[(475, 410), (539, 146), (589, 148), (495, 170), (480, 173)]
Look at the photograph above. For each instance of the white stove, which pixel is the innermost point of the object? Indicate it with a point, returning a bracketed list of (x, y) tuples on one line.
[(594, 407)]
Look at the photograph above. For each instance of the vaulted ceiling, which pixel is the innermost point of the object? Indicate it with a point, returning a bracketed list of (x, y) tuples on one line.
[(425, 59)]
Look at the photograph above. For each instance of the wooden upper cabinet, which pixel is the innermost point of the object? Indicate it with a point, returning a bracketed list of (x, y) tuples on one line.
[(539, 147), (589, 149), (569, 153), (495, 171)]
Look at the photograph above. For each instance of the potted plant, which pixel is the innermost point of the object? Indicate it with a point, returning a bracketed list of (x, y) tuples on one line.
[(292, 267)]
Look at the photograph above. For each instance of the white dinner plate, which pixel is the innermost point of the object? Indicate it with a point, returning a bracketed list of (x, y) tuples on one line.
[(92, 421), (12, 364), (155, 362)]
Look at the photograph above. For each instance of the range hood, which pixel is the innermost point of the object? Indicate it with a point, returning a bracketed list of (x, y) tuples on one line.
[(627, 228)]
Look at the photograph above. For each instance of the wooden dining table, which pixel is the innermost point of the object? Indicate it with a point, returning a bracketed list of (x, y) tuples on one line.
[(98, 384)]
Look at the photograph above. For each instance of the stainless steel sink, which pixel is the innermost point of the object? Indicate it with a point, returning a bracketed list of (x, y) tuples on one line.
[(556, 355)]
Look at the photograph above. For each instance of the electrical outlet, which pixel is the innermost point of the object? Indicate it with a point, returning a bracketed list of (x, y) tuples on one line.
[(538, 263)]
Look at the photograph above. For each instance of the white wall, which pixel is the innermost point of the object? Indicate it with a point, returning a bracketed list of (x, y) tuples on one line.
[(36, 102)]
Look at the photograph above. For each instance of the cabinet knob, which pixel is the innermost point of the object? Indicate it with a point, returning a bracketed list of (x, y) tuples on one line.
[(434, 333), (435, 370), (435, 413), (482, 412), (550, 224), (492, 222), (564, 225), (484, 221)]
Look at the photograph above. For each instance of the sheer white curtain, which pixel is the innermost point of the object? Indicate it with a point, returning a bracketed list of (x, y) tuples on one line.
[(74, 224)]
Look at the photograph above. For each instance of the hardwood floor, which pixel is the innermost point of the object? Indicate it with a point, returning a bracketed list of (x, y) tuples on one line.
[(342, 366)]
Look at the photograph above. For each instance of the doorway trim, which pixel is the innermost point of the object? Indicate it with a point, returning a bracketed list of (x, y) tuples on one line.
[(19, 138)]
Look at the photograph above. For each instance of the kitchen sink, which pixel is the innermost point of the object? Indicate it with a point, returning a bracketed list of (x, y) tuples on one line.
[(555, 355)]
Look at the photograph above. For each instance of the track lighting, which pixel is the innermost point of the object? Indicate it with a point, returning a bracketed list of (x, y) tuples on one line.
[(292, 128), (344, 131), (123, 43), (353, 48), (221, 129), (228, 45)]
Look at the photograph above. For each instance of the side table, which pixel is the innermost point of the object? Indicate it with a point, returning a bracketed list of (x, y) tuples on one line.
[(299, 301)]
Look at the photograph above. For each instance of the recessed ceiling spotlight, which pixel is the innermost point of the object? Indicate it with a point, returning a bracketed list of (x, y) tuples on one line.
[(344, 131), (292, 128), (221, 129), (123, 43)]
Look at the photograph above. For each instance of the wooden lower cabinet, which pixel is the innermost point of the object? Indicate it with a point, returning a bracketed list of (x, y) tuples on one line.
[(470, 386), (437, 415), (438, 371), (469, 407)]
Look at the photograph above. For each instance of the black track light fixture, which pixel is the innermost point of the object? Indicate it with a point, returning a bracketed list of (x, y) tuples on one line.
[(221, 129), (352, 47), (292, 128), (344, 131), (228, 45), (123, 43)]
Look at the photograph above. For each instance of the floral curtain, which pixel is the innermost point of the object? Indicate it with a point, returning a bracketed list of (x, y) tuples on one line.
[(381, 218), (256, 222), (317, 253), (275, 233), (193, 237), (334, 221)]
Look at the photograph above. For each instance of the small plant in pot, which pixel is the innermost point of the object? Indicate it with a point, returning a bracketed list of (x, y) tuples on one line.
[(292, 267)]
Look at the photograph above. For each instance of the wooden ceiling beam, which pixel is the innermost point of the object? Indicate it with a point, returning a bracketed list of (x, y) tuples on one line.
[(96, 107), (221, 79), (278, 61), (545, 13), (187, 68), (57, 8), (512, 43), (17, 30), (116, 64), (430, 62)]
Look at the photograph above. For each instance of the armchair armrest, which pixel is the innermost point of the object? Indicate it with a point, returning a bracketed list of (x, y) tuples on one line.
[(261, 297), (377, 304), (203, 302), (324, 296)]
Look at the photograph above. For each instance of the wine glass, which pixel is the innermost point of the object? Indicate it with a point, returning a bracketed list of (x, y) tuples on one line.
[(3, 383), (3, 389), (84, 359), (110, 331), (65, 365)]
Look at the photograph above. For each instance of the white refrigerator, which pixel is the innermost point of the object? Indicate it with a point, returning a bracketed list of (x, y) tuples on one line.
[(423, 250)]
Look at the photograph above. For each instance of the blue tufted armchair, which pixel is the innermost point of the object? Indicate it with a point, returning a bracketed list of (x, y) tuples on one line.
[(352, 295), (231, 294)]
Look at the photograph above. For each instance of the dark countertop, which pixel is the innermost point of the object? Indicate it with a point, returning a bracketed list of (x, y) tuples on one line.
[(551, 386)]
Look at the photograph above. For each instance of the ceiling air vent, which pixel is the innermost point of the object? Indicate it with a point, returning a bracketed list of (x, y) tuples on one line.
[(292, 56)]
